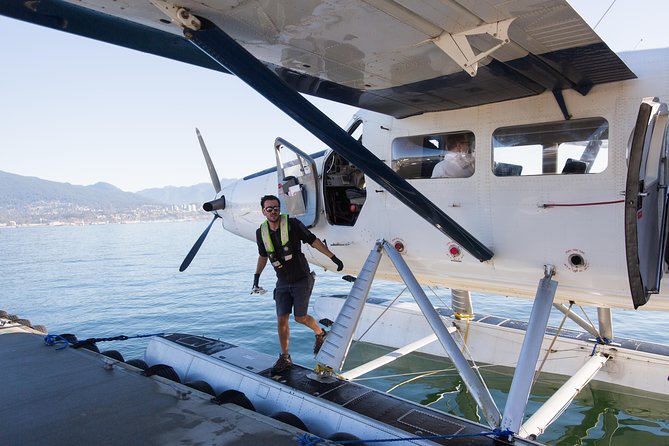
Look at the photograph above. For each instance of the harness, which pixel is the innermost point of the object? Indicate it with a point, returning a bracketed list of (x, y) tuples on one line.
[(274, 258)]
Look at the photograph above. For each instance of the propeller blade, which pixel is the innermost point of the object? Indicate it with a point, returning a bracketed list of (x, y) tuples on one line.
[(196, 246), (210, 165), (226, 51)]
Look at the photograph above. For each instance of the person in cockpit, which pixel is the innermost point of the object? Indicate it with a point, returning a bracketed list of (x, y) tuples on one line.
[(279, 240), (458, 161)]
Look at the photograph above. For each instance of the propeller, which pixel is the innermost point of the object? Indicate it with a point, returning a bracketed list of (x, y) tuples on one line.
[(210, 206), (210, 165), (196, 246)]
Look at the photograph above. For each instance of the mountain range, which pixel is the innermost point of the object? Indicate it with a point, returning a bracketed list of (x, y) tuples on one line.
[(17, 190), (22, 195)]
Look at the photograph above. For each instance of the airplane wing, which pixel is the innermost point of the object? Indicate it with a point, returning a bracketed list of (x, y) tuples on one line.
[(396, 57)]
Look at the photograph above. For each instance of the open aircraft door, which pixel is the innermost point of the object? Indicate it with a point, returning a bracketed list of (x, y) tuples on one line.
[(298, 188), (646, 201)]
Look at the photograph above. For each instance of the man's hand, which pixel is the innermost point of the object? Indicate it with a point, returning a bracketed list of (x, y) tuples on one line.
[(257, 290), (339, 263)]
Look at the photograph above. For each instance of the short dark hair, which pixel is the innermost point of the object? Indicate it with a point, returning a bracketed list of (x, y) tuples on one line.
[(268, 198), (454, 138)]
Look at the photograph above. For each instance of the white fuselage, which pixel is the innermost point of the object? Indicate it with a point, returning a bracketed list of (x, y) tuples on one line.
[(505, 213)]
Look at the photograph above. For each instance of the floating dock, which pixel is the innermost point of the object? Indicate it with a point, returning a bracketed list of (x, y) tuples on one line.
[(78, 397), (75, 396)]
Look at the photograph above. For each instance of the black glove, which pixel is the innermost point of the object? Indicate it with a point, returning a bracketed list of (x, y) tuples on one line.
[(339, 263), (257, 290)]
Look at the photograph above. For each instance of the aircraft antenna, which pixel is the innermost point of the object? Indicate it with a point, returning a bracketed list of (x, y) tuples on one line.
[(604, 15)]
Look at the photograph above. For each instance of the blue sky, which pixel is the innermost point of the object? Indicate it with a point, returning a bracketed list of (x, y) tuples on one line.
[(81, 111)]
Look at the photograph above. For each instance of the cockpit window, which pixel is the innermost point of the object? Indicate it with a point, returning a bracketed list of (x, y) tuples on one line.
[(565, 147), (356, 130), (442, 155)]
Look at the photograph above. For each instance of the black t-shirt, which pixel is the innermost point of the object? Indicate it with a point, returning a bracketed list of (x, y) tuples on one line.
[(297, 268)]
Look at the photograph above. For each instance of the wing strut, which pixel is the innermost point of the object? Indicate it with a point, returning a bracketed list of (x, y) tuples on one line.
[(226, 51)]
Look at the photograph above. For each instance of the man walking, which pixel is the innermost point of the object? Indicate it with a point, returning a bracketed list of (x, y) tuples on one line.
[(278, 240)]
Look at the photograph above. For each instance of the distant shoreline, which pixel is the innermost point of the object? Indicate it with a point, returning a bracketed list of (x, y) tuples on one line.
[(97, 223)]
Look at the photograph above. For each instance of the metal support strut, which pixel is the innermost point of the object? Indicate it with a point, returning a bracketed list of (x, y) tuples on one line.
[(561, 399), (529, 353), (333, 352), (474, 384)]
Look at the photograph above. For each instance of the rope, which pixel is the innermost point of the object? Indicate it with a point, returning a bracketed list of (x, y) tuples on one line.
[(407, 381), (464, 338), (443, 371), (51, 340), (312, 440)]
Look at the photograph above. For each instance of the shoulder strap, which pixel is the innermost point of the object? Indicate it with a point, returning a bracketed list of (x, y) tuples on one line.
[(266, 239)]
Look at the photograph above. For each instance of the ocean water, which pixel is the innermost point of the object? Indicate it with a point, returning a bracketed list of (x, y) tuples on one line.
[(123, 279)]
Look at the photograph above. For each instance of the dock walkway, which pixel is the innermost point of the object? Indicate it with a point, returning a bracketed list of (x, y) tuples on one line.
[(73, 397)]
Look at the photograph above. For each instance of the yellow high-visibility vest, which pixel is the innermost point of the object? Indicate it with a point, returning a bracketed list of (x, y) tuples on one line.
[(269, 246)]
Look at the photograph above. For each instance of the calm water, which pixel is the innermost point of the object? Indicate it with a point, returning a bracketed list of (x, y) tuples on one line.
[(100, 281)]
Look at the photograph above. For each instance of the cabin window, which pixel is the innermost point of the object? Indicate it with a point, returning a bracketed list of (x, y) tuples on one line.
[(441, 155), (566, 147)]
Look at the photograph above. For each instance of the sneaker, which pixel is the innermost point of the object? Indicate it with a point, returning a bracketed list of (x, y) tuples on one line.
[(320, 338), (284, 362)]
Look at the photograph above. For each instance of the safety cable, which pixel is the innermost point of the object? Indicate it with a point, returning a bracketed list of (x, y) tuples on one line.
[(382, 313), (604, 15), (590, 321), (550, 347)]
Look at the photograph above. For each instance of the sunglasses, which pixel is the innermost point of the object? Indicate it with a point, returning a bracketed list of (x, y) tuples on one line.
[(272, 209)]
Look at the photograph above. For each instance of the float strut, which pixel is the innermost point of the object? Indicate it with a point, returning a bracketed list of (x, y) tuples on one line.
[(390, 357), (473, 382), (529, 353), (561, 399), (605, 324)]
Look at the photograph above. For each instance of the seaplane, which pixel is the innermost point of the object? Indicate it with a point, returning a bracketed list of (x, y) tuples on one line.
[(562, 199)]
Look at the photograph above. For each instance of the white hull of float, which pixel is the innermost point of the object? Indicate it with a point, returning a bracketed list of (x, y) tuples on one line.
[(267, 396), (497, 341), (195, 358)]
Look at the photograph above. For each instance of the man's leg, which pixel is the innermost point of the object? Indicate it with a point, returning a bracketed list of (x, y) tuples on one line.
[(283, 306), (301, 295), (309, 322), (284, 331)]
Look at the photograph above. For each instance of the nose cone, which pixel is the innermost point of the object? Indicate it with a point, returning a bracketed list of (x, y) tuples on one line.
[(215, 205)]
